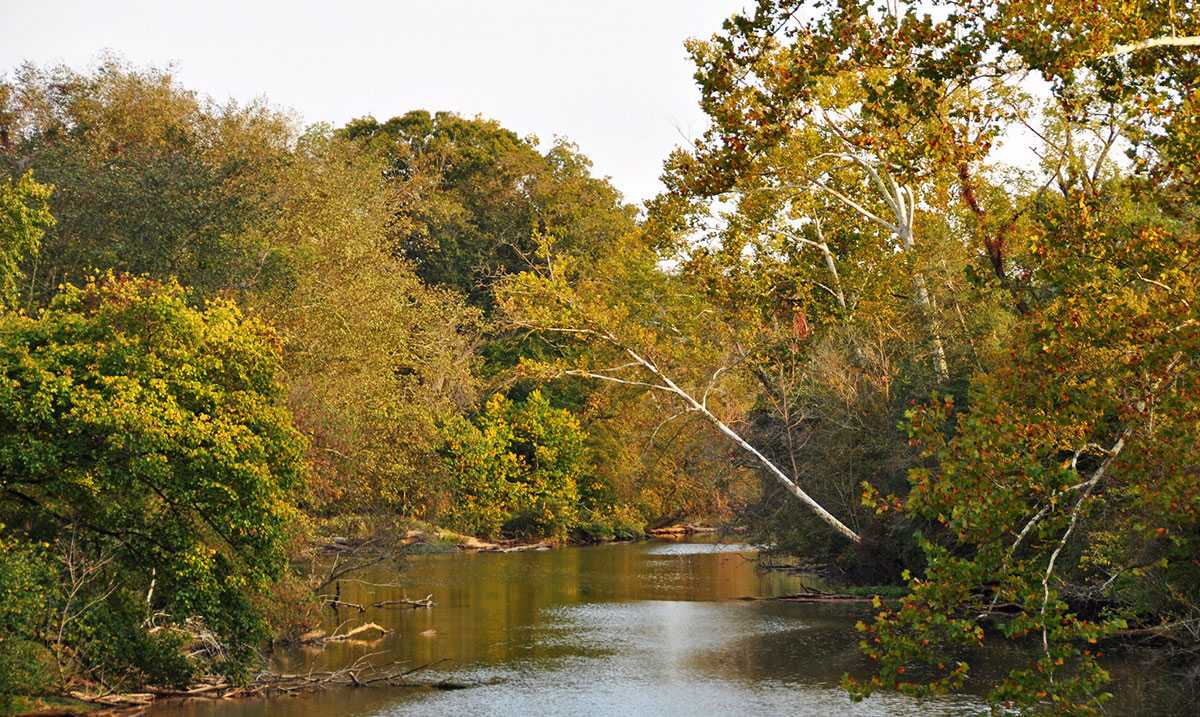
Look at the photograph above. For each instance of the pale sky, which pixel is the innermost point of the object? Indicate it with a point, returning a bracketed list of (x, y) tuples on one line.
[(611, 75)]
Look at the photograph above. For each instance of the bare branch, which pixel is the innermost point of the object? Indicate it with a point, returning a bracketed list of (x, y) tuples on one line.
[(1089, 486), (867, 213), (614, 379), (779, 475), (1166, 41)]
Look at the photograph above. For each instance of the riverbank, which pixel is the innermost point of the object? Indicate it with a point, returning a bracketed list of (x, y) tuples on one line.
[(414, 536), (265, 685)]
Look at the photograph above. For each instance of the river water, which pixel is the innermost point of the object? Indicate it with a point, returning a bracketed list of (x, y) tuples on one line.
[(651, 628)]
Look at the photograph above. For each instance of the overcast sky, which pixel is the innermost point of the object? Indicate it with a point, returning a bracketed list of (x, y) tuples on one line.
[(611, 75)]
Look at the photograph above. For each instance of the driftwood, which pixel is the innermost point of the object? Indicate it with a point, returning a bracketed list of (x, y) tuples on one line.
[(814, 596), (362, 673), (427, 601), (689, 529), (128, 699), (367, 628), (483, 546), (357, 634), (824, 597), (515, 548)]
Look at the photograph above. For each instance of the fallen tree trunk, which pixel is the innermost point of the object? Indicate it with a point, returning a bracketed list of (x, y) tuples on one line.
[(679, 530), (814, 597), (319, 637)]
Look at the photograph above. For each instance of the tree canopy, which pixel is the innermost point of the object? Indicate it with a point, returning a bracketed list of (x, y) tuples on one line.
[(476, 196), (144, 443)]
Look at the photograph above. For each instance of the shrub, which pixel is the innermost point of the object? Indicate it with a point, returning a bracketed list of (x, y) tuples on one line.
[(515, 469), (25, 581)]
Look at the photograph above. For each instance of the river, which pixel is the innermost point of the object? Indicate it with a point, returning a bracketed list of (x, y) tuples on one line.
[(650, 628)]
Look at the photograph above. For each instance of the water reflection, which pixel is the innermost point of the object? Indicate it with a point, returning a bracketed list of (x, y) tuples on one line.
[(648, 628)]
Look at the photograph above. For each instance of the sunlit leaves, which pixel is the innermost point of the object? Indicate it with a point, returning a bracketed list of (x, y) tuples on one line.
[(24, 218), (154, 433), (516, 467)]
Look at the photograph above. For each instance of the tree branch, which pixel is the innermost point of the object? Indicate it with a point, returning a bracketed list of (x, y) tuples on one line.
[(1166, 41)]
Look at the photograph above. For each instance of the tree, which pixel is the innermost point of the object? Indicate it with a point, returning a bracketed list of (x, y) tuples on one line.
[(24, 217), (145, 452), (831, 123), (643, 328), (1069, 432), (375, 358), (473, 196), (1064, 499), (25, 581), (516, 468), (469, 201), (151, 178)]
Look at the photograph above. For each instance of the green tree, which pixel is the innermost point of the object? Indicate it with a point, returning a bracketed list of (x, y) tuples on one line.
[(1035, 499), (516, 468), (24, 218), (143, 443), (375, 358), (26, 583), (475, 196), (626, 322), (151, 178), (1062, 506)]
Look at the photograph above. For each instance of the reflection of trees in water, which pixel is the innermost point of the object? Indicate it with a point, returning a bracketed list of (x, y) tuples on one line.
[(634, 620), (796, 643), (499, 608)]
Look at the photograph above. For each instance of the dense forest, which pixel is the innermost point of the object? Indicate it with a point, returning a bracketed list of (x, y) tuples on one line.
[(845, 325)]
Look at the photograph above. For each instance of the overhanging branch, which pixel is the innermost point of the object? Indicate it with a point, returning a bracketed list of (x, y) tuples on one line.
[(1165, 41)]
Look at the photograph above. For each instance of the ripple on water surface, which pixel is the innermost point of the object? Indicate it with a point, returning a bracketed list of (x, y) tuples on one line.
[(638, 629), (698, 548)]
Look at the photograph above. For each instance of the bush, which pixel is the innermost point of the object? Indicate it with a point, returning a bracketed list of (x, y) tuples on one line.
[(619, 522), (25, 582), (515, 469)]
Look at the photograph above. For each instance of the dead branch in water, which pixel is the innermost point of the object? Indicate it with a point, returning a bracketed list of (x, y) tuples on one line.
[(504, 546), (688, 529), (362, 673), (319, 637), (824, 597), (427, 601), (817, 596), (347, 561)]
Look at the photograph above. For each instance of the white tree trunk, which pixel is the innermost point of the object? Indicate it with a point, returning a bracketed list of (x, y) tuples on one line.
[(671, 387)]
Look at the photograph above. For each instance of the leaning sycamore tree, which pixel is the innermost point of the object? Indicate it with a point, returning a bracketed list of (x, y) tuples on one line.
[(626, 320), (1061, 504)]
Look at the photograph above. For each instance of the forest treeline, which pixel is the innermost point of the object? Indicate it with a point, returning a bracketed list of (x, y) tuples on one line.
[(844, 324), (221, 331)]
